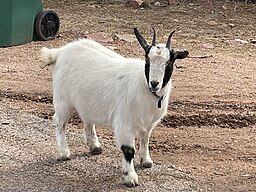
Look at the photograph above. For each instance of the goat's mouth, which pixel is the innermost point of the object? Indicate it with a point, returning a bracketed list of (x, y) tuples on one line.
[(154, 89)]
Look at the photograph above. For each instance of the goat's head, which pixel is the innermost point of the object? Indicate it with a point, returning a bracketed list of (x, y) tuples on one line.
[(159, 61)]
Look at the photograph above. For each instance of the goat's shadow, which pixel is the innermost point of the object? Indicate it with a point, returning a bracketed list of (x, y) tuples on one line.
[(57, 175)]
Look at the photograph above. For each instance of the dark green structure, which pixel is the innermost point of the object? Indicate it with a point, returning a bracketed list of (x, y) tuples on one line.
[(17, 18)]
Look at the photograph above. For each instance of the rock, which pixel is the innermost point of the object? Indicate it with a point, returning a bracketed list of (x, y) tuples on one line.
[(100, 37), (92, 6), (224, 7), (59, 35), (124, 37), (157, 4), (212, 23), (231, 25), (135, 3), (253, 41), (171, 2), (208, 45), (237, 42), (241, 41), (112, 47)]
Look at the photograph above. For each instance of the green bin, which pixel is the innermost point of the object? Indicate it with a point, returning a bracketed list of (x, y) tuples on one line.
[(17, 18)]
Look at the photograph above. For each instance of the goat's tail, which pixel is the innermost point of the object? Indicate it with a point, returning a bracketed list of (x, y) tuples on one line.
[(48, 56)]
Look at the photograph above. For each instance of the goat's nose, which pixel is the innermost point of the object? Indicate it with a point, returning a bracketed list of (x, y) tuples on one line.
[(154, 84)]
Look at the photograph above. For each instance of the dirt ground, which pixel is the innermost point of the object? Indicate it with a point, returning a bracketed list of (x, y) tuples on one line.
[(207, 141)]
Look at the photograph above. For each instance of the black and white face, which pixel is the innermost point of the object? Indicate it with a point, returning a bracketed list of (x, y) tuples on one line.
[(159, 62)]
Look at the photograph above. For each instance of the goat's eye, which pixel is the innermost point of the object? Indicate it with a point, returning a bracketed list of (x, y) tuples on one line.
[(168, 62)]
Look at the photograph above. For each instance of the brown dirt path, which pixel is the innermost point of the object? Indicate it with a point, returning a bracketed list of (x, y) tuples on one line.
[(206, 142)]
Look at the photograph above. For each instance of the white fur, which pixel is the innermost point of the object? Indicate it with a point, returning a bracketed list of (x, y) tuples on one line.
[(107, 89), (158, 57)]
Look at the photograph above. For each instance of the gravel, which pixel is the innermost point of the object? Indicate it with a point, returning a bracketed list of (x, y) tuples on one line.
[(28, 161)]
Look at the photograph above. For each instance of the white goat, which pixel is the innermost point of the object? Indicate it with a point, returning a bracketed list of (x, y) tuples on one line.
[(105, 88)]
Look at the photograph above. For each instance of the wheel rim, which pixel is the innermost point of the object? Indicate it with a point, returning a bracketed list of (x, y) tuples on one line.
[(47, 25)]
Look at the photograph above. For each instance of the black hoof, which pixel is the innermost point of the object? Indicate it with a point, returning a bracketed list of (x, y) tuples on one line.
[(147, 165), (64, 158), (96, 151)]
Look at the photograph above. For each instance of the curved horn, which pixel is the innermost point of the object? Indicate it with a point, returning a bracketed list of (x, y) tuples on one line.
[(141, 40), (169, 40), (154, 38)]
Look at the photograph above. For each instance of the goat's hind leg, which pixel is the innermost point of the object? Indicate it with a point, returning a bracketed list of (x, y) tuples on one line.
[(61, 116), (92, 139)]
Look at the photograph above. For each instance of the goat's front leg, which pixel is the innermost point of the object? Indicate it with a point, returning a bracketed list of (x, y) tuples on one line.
[(129, 174), (125, 141), (92, 139), (145, 159)]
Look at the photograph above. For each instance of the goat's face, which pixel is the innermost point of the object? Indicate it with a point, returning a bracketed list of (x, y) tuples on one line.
[(159, 61), (156, 61)]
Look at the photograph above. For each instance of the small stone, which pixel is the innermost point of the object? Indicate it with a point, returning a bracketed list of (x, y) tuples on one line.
[(253, 41), (171, 2), (224, 7), (241, 41), (212, 23), (100, 37), (237, 42), (208, 45), (231, 25), (157, 4), (59, 35), (135, 3), (112, 47), (124, 37)]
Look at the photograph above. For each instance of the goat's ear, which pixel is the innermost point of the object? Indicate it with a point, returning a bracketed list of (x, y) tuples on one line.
[(181, 54), (141, 40)]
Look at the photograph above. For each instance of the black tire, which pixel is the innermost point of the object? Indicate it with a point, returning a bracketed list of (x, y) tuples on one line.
[(47, 25)]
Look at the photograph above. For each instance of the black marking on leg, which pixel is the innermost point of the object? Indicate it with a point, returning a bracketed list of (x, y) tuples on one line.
[(128, 152)]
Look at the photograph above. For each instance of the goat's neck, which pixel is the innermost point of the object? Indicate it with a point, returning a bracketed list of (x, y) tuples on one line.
[(162, 95)]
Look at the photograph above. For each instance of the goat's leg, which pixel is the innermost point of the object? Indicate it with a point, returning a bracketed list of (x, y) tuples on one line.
[(125, 141), (92, 139), (145, 159), (61, 117)]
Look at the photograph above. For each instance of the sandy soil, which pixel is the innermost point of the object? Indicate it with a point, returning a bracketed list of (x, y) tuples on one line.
[(207, 142)]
